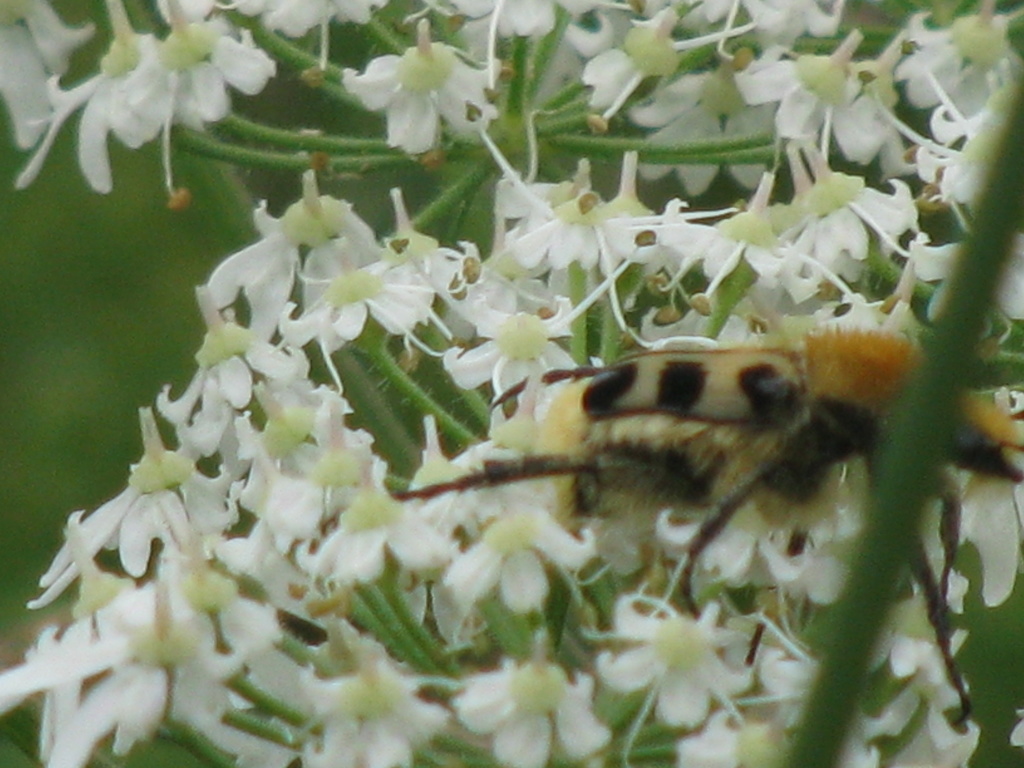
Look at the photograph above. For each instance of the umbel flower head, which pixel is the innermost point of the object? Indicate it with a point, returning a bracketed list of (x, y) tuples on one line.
[(564, 468)]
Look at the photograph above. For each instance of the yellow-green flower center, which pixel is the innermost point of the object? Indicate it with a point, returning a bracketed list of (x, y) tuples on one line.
[(222, 343), (160, 472), (314, 225), (423, 72), (338, 468), (522, 337), (165, 646), (978, 40), (121, 57), (832, 193), (208, 591), (353, 287), (680, 643), (287, 430), (758, 745), (511, 534), (370, 509), (823, 77), (369, 696), (184, 48), (651, 51), (538, 688), (749, 227)]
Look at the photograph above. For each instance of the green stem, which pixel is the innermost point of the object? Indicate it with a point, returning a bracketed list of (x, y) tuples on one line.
[(457, 194), (389, 629), (394, 437), (415, 630), (509, 630), (522, 76), (568, 121), (422, 401), (266, 701), (750, 149), (571, 95), (386, 36), (578, 336), (200, 746), (207, 146), (909, 460), (249, 130), (261, 728), (544, 51)]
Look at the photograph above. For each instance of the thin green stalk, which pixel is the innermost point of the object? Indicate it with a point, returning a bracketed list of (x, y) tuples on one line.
[(390, 41), (749, 149), (261, 728), (565, 121), (415, 629), (390, 629), (422, 401), (570, 94), (578, 347), (206, 145), (522, 75), (266, 701), (544, 51), (394, 435), (250, 130), (448, 200), (511, 631), (200, 746), (909, 461)]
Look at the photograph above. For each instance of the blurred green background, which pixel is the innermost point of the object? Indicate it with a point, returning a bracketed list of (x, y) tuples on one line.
[(98, 313)]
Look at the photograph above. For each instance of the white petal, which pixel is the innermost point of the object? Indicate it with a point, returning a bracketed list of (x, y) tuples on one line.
[(525, 742)]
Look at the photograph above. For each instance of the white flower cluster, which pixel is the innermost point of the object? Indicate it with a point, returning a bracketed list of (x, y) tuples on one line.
[(263, 586)]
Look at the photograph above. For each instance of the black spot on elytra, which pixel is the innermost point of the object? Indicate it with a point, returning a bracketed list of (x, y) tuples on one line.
[(680, 386), (607, 387), (773, 397)]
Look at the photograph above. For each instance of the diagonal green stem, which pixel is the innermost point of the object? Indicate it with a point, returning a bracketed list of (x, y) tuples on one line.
[(909, 461)]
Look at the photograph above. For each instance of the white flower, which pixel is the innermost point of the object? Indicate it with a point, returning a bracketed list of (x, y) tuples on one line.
[(914, 655), (524, 18), (34, 44), (519, 345), (525, 705), (989, 521), (421, 87), (707, 106), (808, 88), (833, 219), (782, 21), (228, 359), (108, 102), (165, 497), (510, 555), (724, 745), (963, 63), (370, 526), (371, 719), (648, 50), (678, 657), (187, 80), (136, 651), (338, 306), (296, 17)]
